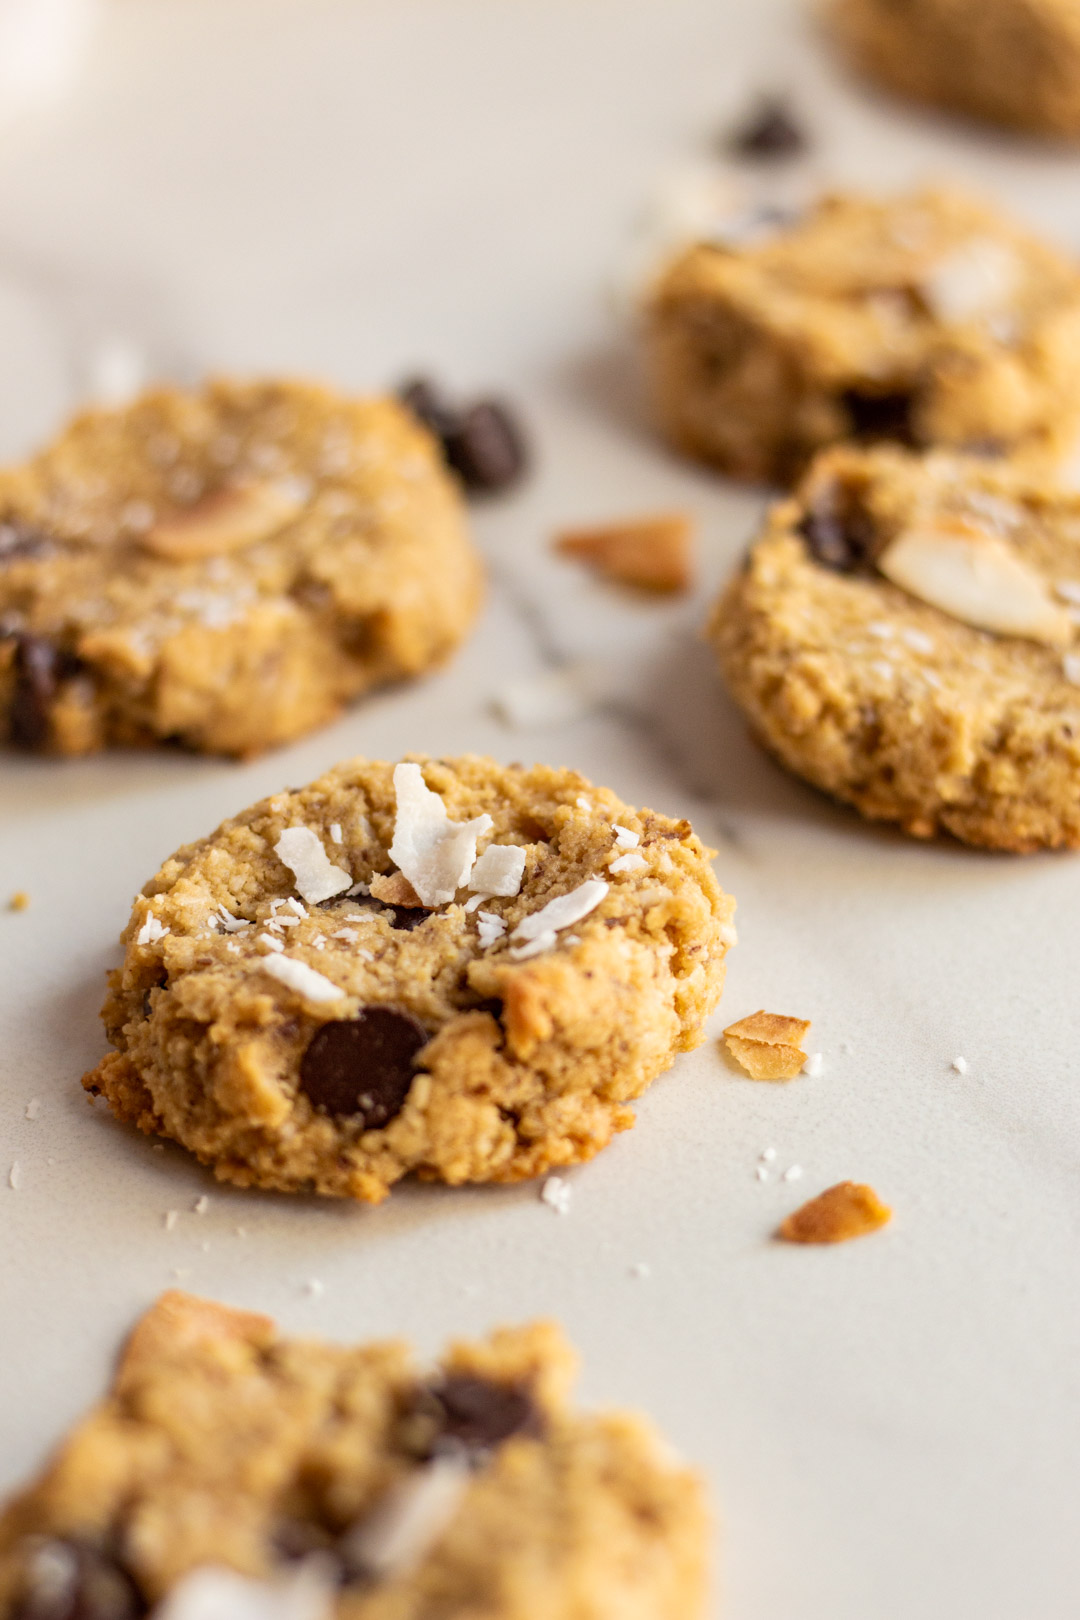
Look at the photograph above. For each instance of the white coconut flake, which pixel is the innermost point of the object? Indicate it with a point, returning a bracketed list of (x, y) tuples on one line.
[(917, 640), (212, 1592), (499, 871), (317, 878), (633, 862), (270, 943), (15, 1176), (349, 934), (1069, 591), (151, 930), (228, 923), (961, 1065), (767, 1155), (555, 697), (976, 280), (336, 834), (170, 1218), (201, 1205), (489, 928), (793, 1172), (814, 1064), (434, 853), (563, 911), (761, 1173), (1070, 668), (625, 837), (557, 1193), (410, 1518), (301, 978), (535, 947)]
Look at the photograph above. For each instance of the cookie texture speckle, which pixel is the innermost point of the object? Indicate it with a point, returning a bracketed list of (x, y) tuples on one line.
[(1012, 62), (224, 569), (227, 1463), (491, 1033), (907, 705), (929, 319)]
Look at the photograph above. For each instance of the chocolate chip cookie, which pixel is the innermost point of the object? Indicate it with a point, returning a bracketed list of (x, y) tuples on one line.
[(224, 569), (231, 1471), (905, 635), (929, 320), (446, 967), (1014, 62)]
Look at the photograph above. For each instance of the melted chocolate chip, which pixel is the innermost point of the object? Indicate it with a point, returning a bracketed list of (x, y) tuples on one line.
[(770, 133), (881, 416), (38, 669), (69, 1580), (840, 533), (479, 1413), (486, 448), (427, 401), (407, 917), (361, 1068)]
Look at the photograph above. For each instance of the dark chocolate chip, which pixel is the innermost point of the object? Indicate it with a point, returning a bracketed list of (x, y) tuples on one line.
[(37, 673), (69, 1580), (770, 133), (362, 1067), (407, 917), (479, 1413), (426, 400), (839, 532), (486, 447), (880, 415)]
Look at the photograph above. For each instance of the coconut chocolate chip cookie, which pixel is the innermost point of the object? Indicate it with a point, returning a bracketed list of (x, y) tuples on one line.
[(446, 967), (930, 320), (232, 1472), (905, 635), (224, 569), (1014, 62)]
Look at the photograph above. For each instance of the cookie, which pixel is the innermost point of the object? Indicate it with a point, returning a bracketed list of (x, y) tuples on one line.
[(451, 968), (1014, 62), (232, 1471), (930, 320), (224, 569), (902, 636)]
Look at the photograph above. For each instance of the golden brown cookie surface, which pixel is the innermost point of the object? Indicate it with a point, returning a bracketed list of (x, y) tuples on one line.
[(224, 569)]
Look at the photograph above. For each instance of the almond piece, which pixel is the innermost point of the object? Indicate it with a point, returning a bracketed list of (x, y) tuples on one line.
[(226, 520), (975, 577), (394, 889), (848, 1210), (653, 553)]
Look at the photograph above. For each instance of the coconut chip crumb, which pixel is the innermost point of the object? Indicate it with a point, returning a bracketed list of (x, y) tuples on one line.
[(557, 1193), (435, 854), (317, 878), (848, 1210), (634, 861), (641, 1269), (33, 1108), (15, 1176), (814, 1065), (538, 931), (499, 871), (336, 834), (269, 942), (768, 1045), (489, 928), (201, 1205), (961, 1065), (651, 553), (304, 980), (151, 930), (19, 901), (625, 837)]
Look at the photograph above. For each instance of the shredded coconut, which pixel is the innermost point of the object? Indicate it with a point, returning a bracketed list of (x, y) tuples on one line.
[(625, 838), (316, 877), (228, 923), (301, 978), (633, 862), (563, 911), (201, 1205), (348, 934), (211, 1592), (499, 871), (336, 835), (489, 928), (434, 853), (762, 1173), (270, 942), (584, 804), (557, 1193), (409, 1519), (151, 930), (535, 947)]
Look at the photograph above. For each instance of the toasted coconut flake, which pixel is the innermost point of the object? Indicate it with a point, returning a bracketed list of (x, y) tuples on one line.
[(848, 1210), (317, 878), (394, 890), (763, 1062), (775, 1029), (652, 553), (434, 853), (227, 520), (976, 577)]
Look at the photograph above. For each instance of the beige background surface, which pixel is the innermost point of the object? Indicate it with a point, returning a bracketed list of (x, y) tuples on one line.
[(352, 188)]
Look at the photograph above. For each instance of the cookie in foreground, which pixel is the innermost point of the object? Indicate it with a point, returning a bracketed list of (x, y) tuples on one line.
[(901, 635), (224, 569), (232, 1471), (930, 319), (1013, 62), (447, 967)]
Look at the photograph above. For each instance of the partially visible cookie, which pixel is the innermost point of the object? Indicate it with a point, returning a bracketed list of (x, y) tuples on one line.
[(449, 967), (903, 636), (224, 569), (1013, 62), (930, 320), (231, 1471)]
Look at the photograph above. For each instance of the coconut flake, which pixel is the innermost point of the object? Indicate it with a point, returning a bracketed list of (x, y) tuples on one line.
[(489, 928), (336, 836), (228, 923), (408, 1521), (625, 837), (301, 978), (557, 1193), (633, 862), (563, 911), (151, 930), (535, 947), (976, 280), (435, 853), (316, 876), (499, 871), (212, 1592)]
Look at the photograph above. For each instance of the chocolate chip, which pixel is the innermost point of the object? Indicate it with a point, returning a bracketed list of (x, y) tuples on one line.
[(880, 415), (294, 1539), (427, 401), (362, 1067), (37, 673), (770, 133), (840, 533), (70, 1580), (486, 447), (479, 1413), (17, 539), (407, 917)]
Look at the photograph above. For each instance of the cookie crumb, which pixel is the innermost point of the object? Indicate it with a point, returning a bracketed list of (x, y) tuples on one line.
[(33, 1108), (556, 1193), (848, 1210), (170, 1218), (314, 1287), (814, 1065), (762, 1173), (794, 1172), (15, 1176), (641, 1269), (201, 1205), (19, 901), (767, 1045), (651, 553), (961, 1065)]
